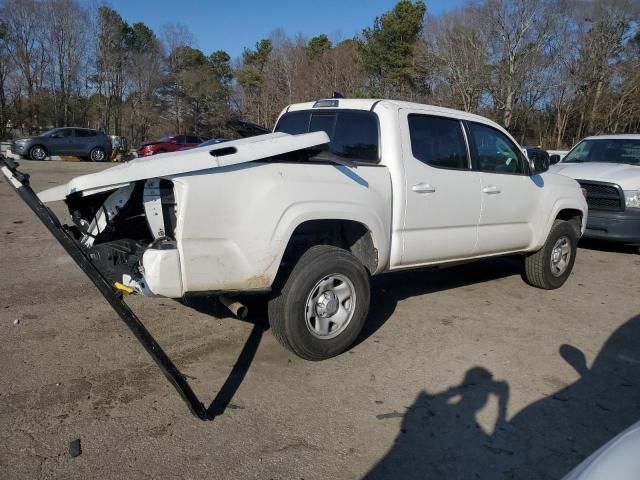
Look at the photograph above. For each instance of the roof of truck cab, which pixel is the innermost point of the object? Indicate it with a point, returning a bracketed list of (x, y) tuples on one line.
[(625, 136), (371, 103)]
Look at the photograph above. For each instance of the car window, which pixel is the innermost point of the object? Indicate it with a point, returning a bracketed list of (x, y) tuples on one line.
[(84, 133), (62, 133), (356, 136), (181, 139), (353, 134), (192, 139), (495, 152), (294, 123), (438, 142), (323, 122), (605, 150)]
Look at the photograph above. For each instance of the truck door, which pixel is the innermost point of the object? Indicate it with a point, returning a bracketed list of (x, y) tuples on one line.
[(442, 191), (509, 194)]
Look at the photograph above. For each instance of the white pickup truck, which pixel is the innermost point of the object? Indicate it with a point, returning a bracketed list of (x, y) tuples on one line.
[(608, 168), (342, 189)]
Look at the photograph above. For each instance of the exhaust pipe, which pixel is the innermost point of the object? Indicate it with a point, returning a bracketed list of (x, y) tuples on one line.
[(235, 307)]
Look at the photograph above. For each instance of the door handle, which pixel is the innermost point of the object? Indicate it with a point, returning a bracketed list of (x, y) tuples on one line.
[(423, 188), (491, 190)]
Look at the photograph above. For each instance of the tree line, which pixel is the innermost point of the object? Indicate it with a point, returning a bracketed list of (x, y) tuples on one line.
[(550, 71)]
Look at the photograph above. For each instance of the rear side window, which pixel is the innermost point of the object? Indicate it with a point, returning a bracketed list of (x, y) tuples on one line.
[(180, 139), (438, 142), (191, 139), (353, 134), (85, 133)]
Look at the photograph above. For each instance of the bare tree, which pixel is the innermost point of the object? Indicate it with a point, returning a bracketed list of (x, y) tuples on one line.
[(517, 32), (456, 48), (27, 49), (67, 36)]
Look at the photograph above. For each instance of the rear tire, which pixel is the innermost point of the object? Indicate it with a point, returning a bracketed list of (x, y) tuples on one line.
[(549, 267), (322, 306)]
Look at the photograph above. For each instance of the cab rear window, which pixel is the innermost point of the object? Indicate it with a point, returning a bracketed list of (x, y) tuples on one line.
[(353, 134)]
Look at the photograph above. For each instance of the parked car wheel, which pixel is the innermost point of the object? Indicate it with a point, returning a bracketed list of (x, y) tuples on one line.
[(550, 266), (322, 306), (97, 155), (37, 152)]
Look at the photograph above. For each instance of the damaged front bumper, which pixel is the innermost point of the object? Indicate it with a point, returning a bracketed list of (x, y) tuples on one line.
[(66, 236)]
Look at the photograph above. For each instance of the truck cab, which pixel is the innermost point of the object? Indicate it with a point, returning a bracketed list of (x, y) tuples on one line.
[(462, 187)]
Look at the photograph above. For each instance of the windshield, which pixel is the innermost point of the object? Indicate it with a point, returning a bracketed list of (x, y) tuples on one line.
[(606, 150)]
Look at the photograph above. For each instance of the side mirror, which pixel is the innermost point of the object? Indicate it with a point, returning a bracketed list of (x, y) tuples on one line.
[(540, 164), (555, 158)]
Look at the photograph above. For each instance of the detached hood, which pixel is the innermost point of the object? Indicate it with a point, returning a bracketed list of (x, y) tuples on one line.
[(625, 175), (196, 159)]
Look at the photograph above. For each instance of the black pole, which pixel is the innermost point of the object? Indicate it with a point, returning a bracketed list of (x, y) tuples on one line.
[(20, 183)]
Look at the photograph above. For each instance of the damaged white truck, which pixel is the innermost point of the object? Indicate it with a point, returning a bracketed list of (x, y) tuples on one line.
[(342, 189)]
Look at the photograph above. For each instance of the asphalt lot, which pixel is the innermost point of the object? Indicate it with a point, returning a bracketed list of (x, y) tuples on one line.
[(462, 373)]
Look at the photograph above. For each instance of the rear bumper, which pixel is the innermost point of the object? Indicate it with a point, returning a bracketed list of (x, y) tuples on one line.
[(623, 227)]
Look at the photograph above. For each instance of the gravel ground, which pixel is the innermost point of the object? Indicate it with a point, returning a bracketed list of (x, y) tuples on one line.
[(461, 373)]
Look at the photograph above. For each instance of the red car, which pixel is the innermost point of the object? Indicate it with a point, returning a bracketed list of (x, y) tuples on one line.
[(170, 144)]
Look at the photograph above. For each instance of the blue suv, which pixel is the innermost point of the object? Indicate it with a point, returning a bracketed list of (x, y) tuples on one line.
[(80, 142)]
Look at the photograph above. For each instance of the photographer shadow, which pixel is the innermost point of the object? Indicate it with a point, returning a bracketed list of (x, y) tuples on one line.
[(440, 436)]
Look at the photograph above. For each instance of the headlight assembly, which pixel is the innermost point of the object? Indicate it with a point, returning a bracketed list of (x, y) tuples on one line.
[(632, 198)]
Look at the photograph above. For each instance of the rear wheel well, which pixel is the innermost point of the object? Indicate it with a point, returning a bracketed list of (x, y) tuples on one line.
[(347, 234), (574, 217)]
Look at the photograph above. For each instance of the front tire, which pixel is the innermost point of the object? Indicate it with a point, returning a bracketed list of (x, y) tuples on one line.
[(323, 304), (37, 152), (97, 155), (549, 267)]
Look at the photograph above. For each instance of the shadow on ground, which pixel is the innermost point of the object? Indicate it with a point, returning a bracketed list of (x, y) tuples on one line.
[(605, 246), (387, 291), (211, 306), (440, 438)]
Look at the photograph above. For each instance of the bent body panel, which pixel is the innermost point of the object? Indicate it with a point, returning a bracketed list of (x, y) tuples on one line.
[(197, 159), (234, 222)]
